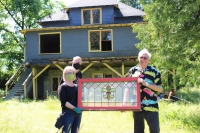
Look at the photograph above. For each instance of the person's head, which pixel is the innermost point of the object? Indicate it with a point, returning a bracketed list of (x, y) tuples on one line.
[(144, 58), (69, 74), (76, 62)]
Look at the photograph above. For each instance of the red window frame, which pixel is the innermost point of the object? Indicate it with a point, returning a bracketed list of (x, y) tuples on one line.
[(136, 107)]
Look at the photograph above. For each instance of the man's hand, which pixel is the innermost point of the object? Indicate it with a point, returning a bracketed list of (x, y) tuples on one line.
[(141, 81)]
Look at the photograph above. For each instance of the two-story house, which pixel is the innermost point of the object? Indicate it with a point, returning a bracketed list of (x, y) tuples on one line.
[(99, 31)]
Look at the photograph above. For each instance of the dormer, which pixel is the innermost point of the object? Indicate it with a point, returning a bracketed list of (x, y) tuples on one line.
[(93, 13)]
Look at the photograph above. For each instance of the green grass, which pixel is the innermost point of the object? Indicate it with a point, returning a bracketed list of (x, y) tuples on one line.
[(39, 117)]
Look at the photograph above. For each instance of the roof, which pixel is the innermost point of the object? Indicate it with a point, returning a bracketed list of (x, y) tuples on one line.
[(124, 10), (113, 61), (57, 16), (92, 3)]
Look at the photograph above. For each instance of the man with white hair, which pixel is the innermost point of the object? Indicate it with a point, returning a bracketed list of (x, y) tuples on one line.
[(150, 87), (76, 63)]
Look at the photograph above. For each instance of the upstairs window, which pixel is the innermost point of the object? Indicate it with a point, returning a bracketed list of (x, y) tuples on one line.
[(100, 41), (91, 16), (49, 43)]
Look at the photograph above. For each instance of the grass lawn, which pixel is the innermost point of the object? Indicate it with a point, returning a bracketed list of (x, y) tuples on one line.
[(40, 116)]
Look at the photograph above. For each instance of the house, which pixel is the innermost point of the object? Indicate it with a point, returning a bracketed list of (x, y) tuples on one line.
[(99, 31)]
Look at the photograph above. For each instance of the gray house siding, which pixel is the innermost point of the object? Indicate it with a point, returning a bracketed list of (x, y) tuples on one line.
[(75, 17), (75, 42), (56, 24), (119, 20), (108, 15)]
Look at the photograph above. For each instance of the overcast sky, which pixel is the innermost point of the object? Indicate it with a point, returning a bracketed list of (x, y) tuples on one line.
[(69, 2)]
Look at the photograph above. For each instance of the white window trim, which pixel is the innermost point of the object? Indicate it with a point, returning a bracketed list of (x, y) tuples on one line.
[(89, 44), (93, 74), (39, 52), (52, 83), (91, 18)]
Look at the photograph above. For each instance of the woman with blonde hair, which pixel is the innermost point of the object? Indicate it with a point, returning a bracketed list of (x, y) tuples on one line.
[(68, 98)]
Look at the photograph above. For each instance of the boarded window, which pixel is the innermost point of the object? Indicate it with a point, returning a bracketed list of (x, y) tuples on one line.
[(50, 43)]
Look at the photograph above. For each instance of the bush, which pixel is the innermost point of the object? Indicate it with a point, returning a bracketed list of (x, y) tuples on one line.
[(2, 94), (190, 94)]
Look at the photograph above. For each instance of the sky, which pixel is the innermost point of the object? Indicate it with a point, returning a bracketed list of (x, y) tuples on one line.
[(69, 2)]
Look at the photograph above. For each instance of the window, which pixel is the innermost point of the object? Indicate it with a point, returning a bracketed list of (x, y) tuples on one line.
[(55, 83), (109, 94), (100, 41), (97, 75), (107, 75), (50, 43), (102, 75), (91, 16)]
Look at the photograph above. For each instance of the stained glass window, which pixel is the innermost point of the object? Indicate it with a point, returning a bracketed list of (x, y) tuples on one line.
[(109, 94)]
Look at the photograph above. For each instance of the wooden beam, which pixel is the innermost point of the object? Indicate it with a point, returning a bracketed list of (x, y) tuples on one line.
[(59, 67), (75, 27), (87, 67), (34, 85), (122, 69), (41, 72), (126, 74), (112, 69)]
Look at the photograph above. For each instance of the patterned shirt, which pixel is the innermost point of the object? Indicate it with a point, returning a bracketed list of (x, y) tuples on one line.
[(149, 97)]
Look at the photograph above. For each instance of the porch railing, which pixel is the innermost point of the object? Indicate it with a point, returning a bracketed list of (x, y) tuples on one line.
[(26, 83), (9, 84)]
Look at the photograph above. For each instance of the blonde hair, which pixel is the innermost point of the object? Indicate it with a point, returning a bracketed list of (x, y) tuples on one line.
[(144, 51), (67, 69)]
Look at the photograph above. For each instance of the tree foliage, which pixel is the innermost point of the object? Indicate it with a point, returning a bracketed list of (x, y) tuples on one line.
[(132, 3), (16, 15), (171, 33)]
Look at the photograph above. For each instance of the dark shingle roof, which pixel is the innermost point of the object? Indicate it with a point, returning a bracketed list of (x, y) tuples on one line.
[(91, 3), (57, 16), (124, 10), (129, 11)]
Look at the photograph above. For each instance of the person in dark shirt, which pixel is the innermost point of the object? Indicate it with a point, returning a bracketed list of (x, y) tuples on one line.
[(76, 63), (149, 79), (68, 99)]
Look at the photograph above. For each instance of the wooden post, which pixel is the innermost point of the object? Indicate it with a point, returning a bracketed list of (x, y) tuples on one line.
[(123, 69), (25, 90), (34, 84)]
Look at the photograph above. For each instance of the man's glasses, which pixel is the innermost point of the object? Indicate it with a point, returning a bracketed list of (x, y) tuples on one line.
[(69, 73), (144, 58)]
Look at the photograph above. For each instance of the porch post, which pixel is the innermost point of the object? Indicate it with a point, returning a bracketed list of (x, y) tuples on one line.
[(123, 69), (34, 83)]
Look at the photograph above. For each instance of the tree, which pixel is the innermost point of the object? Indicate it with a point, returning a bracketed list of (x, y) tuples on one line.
[(132, 3), (16, 15), (171, 33)]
